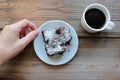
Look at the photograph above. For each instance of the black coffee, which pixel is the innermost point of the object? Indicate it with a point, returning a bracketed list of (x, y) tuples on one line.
[(95, 18)]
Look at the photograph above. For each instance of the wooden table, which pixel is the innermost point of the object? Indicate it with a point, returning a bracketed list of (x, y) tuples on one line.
[(98, 56)]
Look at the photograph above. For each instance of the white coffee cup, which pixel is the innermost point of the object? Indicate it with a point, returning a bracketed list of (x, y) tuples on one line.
[(108, 25)]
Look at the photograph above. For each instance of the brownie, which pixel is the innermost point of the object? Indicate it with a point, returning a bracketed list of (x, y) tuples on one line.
[(56, 40)]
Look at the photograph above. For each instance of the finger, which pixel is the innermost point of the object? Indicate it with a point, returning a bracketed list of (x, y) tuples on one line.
[(24, 23), (21, 34), (27, 31), (24, 32), (29, 37)]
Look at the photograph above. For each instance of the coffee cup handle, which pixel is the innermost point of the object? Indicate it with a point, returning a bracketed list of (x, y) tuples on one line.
[(110, 26)]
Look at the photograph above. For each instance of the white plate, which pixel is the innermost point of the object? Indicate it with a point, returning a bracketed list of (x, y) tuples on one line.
[(40, 48)]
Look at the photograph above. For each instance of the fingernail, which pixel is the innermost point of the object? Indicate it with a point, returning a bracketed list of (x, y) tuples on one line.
[(36, 32)]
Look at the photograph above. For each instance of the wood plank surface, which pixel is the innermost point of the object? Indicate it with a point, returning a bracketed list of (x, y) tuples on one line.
[(98, 56), (40, 11), (92, 62)]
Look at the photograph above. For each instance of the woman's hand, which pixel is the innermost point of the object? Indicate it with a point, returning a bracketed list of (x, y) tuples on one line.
[(15, 37)]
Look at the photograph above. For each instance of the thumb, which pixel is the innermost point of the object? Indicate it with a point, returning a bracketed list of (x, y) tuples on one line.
[(29, 37)]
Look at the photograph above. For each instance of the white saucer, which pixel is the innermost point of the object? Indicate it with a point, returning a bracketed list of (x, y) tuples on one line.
[(40, 48)]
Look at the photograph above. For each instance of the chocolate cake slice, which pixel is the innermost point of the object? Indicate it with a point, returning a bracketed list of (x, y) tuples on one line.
[(56, 40)]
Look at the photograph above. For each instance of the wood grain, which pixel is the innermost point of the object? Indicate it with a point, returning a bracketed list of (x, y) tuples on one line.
[(99, 61), (70, 11), (98, 56)]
